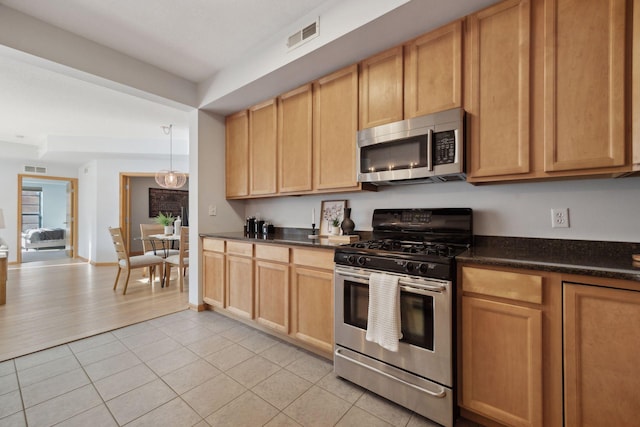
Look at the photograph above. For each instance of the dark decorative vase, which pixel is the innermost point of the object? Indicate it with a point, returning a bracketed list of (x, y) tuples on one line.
[(347, 223)]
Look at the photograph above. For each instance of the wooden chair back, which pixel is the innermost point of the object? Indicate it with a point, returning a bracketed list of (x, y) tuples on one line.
[(147, 230), (184, 245), (118, 243)]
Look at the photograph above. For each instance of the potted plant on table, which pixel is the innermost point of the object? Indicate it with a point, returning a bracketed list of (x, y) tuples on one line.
[(167, 221)]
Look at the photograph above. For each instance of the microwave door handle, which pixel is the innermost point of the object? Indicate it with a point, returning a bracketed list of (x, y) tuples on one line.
[(430, 150)]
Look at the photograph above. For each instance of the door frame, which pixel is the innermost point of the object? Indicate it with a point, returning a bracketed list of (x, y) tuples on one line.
[(73, 238)]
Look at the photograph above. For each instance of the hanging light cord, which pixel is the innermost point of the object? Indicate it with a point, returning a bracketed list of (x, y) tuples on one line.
[(168, 130)]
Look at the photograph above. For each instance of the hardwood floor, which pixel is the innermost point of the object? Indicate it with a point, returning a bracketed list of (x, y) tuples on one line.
[(55, 302)]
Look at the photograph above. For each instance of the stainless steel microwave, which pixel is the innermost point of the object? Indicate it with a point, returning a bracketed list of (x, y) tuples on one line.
[(423, 149)]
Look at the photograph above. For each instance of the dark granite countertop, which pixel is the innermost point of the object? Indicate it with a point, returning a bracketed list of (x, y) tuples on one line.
[(592, 258), (284, 236)]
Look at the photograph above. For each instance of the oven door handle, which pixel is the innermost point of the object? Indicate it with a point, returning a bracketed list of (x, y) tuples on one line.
[(440, 394), (404, 285)]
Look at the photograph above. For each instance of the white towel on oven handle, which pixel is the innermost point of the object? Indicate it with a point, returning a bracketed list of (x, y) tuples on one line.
[(383, 317)]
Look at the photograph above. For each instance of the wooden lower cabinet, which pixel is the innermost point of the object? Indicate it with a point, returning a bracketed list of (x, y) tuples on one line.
[(239, 281), (510, 368), (272, 295), (213, 278), (312, 307), (601, 350), (287, 291), (502, 361), (213, 271)]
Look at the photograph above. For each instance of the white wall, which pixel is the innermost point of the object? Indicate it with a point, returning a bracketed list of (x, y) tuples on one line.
[(599, 209), (9, 170), (206, 180)]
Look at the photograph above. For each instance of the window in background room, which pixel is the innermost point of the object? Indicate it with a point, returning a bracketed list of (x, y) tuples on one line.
[(31, 208)]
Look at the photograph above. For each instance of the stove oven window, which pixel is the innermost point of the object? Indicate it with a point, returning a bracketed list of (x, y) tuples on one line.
[(416, 312)]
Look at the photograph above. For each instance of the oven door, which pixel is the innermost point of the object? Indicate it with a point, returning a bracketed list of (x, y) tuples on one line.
[(426, 323)]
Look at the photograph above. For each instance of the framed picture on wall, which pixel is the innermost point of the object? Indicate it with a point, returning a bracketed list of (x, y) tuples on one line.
[(167, 201), (331, 215)]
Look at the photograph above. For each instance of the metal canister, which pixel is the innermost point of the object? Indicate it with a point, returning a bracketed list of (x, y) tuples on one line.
[(258, 226)]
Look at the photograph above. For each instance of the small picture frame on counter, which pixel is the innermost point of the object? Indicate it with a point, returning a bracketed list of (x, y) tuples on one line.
[(331, 216)]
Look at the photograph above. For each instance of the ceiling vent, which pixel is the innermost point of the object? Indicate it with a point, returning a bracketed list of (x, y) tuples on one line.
[(302, 36), (35, 169)]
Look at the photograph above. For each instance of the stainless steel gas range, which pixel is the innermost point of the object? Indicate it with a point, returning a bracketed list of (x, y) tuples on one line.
[(413, 251)]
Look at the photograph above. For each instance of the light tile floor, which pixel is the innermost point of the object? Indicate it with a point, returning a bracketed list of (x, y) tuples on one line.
[(186, 369)]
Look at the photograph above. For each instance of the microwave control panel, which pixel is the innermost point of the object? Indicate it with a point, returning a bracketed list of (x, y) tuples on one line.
[(444, 147)]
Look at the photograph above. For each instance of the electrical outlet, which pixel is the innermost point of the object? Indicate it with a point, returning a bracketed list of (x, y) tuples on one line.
[(213, 211), (560, 218)]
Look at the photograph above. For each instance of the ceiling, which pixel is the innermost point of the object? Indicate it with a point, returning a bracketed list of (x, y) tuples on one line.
[(194, 40)]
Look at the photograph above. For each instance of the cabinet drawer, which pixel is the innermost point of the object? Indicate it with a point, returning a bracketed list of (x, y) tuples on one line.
[(318, 258), (503, 284), (272, 253), (213, 245), (239, 248)]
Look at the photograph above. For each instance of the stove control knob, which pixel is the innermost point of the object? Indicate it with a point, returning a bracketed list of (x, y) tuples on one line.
[(409, 267), (424, 268), (361, 260), (351, 259)]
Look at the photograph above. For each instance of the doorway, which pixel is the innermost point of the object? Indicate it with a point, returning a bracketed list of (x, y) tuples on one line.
[(47, 218), (135, 187)]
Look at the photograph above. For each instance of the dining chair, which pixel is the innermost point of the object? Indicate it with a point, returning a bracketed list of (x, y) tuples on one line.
[(181, 260), (127, 262), (157, 247)]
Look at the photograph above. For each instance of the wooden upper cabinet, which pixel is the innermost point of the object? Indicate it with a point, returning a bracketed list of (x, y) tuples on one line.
[(497, 76), (433, 71), (263, 125), (584, 84), (295, 140), (335, 124), (237, 155), (381, 88)]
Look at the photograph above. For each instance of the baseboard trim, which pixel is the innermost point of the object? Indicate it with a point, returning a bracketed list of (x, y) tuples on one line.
[(194, 307)]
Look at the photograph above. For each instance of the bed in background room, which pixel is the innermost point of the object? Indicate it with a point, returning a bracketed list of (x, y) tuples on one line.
[(38, 238)]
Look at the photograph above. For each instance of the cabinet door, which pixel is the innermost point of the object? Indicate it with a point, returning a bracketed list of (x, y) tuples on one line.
[(335, 122), (237, 155), (240, 286), (263, 121), (433, 71), (381, 88), (502, 361), (601, 348), (295, 140), (498, 102), (584, 84), (272, 295), (312, 307), (213, 277)]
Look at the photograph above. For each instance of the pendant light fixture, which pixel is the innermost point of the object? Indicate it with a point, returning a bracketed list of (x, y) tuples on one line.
[(170, 178)]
